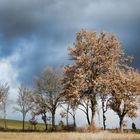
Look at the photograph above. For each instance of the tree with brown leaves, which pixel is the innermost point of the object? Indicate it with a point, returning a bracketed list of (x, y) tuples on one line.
[(125, 89), (93, 57)]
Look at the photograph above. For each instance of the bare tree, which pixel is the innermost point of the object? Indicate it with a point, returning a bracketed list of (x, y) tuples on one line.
[(24, 103), (48, 88), (4, 91)]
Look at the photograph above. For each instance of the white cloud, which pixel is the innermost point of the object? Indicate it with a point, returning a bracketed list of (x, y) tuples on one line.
[(9, 74)]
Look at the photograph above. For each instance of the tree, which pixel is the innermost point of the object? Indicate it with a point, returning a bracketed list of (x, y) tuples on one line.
[(94, 56), (73, 106), (105, 98), (24, 103), (71, 95), (87, 106), (39, 108), (69, 92), (33, 122), (4, 91), (101, 68), (104, 95), (69, 109), (48, 88), (125, 89)]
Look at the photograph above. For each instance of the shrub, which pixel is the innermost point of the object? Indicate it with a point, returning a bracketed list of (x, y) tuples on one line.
[(88, 128)]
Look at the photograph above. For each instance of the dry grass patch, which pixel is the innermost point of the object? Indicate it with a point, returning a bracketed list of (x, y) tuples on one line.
[(68, 136)]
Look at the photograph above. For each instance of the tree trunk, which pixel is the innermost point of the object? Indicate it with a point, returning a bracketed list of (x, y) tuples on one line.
[(104, 117), (46, 126), (44, 118), (93, 106), (53, 120), (23, 122), (121, 124), (74, 121), (67, 116), (5, 122), (87, 114)]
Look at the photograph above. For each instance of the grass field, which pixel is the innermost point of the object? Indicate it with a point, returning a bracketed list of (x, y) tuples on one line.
[(68, 136), (15, 124)]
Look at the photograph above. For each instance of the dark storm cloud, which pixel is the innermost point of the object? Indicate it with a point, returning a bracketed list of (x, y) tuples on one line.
[(32, 62), (40, 30)]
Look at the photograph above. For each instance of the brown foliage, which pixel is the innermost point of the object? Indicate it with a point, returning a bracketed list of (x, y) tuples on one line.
[(94, 56), (100, 66)]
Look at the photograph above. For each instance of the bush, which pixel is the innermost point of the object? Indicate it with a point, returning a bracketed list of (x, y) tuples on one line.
[(70, 127), (88, 128)]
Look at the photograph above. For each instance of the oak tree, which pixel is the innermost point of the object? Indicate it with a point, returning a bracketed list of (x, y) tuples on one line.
[(125, 89), (93, 56)]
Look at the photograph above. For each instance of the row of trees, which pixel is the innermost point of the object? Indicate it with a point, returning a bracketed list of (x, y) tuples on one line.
[(100, 69), (100, 72)]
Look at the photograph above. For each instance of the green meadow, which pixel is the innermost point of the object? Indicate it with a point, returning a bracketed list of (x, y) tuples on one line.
[(17, 125)]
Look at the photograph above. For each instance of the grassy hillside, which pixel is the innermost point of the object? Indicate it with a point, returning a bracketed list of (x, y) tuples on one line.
[(15, 124)]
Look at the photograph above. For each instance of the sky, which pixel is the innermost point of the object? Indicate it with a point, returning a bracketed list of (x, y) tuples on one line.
[(37, 33)]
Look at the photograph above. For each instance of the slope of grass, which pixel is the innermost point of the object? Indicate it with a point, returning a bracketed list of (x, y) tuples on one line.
[(69, 136), (16, 124)]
